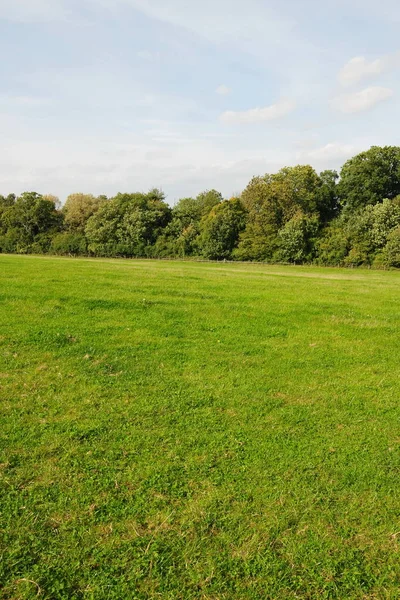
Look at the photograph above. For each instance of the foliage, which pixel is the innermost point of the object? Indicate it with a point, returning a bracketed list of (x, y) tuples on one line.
[(274, 203), (54, 199), (181, 237), (29, 221), (69, 243), (358, 238), (301, 186), (333, 245), (221, 228), (370, 177), (258, 242), (327, 201), (296, 238), (263, 200), (78, 209), (385, 218), (294, 215), (127, 225), (391, 251), (208, 200)]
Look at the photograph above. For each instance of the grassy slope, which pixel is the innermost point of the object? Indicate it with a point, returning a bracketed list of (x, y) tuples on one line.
[(180, 430)]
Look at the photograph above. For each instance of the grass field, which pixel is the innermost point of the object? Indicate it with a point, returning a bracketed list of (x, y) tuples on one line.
[(187, 430)]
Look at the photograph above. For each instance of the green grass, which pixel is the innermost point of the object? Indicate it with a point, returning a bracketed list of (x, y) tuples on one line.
[(180, 430)]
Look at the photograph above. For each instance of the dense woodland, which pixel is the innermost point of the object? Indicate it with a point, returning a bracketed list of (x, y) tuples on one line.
[(293, 216)]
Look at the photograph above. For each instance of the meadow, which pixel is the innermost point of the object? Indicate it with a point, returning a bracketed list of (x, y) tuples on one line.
[(180, 430)]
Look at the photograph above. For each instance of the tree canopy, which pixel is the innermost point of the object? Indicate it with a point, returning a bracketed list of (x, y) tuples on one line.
[(295, 215), (370, 177)]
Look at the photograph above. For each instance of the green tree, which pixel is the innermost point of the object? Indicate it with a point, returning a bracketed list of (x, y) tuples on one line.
[(127, 225), (262, 199), (30, 221), (334, 244), (259, 241), (181, 236), (297, 238), (78, 209), (328, 205), (221, 229), (385, 218), (301, 190), (358, 237), (272, 201), (69, 243), (207, 200), (5, 203), (55, 199), (187, 211), (370, 177), (391, 252)]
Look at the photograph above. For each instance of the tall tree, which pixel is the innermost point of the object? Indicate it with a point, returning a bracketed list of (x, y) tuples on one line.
[(370, 177), (328, 204), (302, 186), (272, 201), (181, 236), (31, 216), (296, 238), (127, 225), (55, 199), (221, 229), (78, 209), (207, 200)]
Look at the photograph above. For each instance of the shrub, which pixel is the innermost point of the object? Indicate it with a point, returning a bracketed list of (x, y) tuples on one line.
[(69, 243), (391, 252)]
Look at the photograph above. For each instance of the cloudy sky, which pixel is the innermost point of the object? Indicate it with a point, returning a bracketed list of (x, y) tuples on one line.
[(123, 95)]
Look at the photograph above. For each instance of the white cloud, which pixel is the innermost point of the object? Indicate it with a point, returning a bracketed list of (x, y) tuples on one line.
[(257, 115), (118, 92), (361, 101), (115, 121), (329, 152), (253, 24), (102, 166), (223, 90), (359, 68)]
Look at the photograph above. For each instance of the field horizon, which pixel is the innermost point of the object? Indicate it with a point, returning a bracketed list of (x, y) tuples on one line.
[(188, 429)]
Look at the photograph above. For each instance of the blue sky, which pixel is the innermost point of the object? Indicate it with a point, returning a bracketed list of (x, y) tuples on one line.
[(122, 95)]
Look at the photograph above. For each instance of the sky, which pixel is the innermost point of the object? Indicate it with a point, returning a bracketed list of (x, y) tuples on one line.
[(102, 96)]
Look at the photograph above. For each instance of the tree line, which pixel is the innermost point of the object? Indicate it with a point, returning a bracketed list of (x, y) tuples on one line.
[(293, 216)]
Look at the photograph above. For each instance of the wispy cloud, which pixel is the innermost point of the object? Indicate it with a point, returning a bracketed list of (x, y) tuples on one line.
[(217, 19), (136, 99), (361, 101), (329, 152), (359, 68), (258, 115)]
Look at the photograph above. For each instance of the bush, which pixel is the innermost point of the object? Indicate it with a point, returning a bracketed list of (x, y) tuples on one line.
[(391, 252), (333, 245), (221, 229), (296, 239), (9, 241), (69, 244)]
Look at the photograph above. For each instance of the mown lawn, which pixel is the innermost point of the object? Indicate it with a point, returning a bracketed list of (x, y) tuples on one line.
[(188, 430)]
